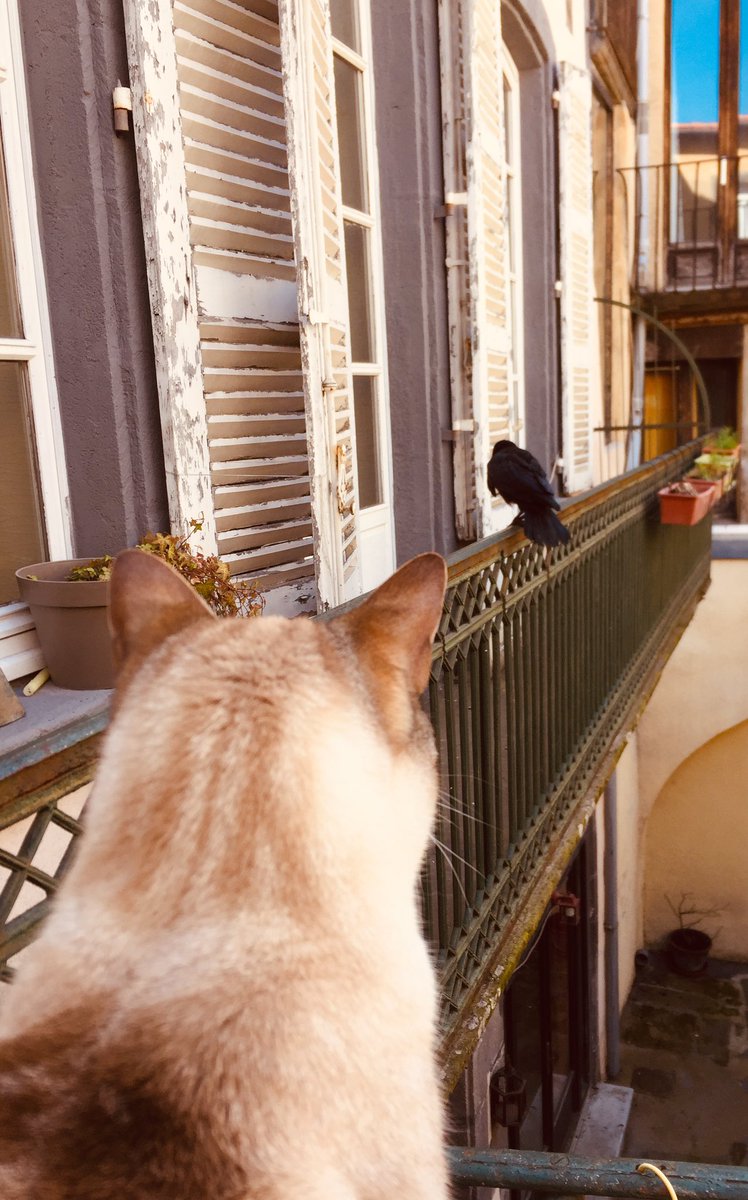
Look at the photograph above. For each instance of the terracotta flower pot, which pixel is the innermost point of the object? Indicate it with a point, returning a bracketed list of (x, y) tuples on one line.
[(681, 508), (688, 950), (71, 621)]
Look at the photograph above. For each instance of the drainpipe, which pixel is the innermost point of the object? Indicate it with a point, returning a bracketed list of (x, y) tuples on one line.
[(610, 925), (633, 457)]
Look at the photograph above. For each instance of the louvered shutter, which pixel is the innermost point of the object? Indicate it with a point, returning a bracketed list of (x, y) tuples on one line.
[(476, 252), (322, 292), (231, 99), (579, 349), (231, 122)]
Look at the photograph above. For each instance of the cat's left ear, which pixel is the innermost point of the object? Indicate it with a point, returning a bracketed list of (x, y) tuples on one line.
[(395, 626), (148, 601)]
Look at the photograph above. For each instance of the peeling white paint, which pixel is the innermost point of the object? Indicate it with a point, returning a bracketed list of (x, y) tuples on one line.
[(161, 169)]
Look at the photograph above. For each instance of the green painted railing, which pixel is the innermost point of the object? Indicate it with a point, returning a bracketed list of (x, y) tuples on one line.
[(542, 662), (567, 1175)]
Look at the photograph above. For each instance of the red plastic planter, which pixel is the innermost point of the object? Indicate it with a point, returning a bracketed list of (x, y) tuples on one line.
[(679, 509)]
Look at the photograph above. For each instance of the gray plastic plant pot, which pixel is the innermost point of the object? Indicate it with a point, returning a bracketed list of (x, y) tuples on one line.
[(71, 621)]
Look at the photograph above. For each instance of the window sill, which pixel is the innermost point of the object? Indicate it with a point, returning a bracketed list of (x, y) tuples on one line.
[(55, 720)]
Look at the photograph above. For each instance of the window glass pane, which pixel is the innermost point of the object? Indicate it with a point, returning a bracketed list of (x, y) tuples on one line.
[(343, 18), (358, 270), (10, 313), (21, 528), (367, 441), (694, 77), (694, 120), (743, 124), (349, 110)]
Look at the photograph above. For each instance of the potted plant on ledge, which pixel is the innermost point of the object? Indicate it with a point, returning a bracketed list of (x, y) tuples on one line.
[(69, 601), (686, 501)]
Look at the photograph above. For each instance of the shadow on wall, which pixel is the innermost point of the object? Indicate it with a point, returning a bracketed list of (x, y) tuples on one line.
[(696, 842)]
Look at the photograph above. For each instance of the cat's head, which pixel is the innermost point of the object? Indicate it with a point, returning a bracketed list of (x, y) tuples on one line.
[(303, 741)]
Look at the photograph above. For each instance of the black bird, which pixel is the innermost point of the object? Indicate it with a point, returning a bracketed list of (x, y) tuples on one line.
[(518, 477)]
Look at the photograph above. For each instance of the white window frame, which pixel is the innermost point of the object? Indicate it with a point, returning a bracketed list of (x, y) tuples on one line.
[(515, 297), (19, 648), (379, 515), (35, 348)]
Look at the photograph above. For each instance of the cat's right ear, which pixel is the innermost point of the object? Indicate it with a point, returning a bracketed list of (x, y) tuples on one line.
[(148, 601)]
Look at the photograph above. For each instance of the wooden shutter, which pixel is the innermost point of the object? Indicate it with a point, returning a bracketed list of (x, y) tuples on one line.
[(473, 100), (579, 346), (230, 131), (322, 291), (231, 99)]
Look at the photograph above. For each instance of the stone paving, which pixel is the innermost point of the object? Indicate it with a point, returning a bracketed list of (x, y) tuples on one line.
[(684, 1051)]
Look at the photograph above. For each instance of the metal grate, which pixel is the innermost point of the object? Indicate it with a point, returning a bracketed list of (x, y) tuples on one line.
[(541, 661), (37, 839), (539, 658)]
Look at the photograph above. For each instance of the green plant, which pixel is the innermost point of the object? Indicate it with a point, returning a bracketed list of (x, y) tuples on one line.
[(206, 572), (709, 466), (724, 438)]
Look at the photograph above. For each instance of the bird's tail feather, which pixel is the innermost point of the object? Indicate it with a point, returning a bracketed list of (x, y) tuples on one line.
[(545, 528)]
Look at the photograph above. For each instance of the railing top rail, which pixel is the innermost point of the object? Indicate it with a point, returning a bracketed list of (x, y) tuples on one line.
[(641, 168), (563, 1174), (475, 556)]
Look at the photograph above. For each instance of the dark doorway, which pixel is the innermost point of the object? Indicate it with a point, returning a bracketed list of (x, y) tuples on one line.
[(547, 1019), (721, 379)]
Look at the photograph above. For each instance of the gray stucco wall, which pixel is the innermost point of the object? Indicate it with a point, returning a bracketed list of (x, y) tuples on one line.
[(89, 215), (408, 116)]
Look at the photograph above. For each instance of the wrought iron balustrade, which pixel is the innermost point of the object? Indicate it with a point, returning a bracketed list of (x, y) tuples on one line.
[(542, 661), (539, 659), (690, 223)]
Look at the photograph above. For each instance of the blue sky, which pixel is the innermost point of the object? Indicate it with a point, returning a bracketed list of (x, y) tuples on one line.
[(695, 26)]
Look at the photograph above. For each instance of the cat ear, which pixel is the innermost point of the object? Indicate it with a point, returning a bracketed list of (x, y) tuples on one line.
[(148, 601), (395, 625)]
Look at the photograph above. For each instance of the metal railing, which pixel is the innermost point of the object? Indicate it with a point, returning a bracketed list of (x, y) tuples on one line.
[(538, 660), (542, 660), (568, 1175), (690, 223)]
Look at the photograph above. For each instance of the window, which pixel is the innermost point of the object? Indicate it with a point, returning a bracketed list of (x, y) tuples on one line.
[(359, 188), (709, 123), (33, 521)]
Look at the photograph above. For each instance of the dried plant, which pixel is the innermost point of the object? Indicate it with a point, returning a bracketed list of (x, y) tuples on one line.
[(206, 572), (689, 916)]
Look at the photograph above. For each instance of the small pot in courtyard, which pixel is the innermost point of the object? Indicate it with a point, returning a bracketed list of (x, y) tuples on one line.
[(688, 950)]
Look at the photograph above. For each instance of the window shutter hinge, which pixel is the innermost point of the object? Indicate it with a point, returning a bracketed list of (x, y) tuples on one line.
[(452, 200), (463, 426), (122, 105)]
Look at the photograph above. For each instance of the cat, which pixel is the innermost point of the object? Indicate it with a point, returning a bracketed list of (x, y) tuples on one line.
[(232, 999)]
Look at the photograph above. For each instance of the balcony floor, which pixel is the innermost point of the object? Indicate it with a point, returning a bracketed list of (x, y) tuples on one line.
[(684, 1051)]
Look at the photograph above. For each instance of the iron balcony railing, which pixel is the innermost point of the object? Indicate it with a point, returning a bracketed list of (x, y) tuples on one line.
[(542, 662), (690, 223), (567, 1175)]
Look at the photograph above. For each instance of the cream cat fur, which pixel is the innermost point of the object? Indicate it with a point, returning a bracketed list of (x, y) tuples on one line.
[(232, 999)]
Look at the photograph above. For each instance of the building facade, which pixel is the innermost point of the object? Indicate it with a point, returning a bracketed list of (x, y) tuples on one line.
[(335, 250)]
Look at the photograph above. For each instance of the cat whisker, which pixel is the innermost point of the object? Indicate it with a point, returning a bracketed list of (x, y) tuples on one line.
[(450, 864)]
